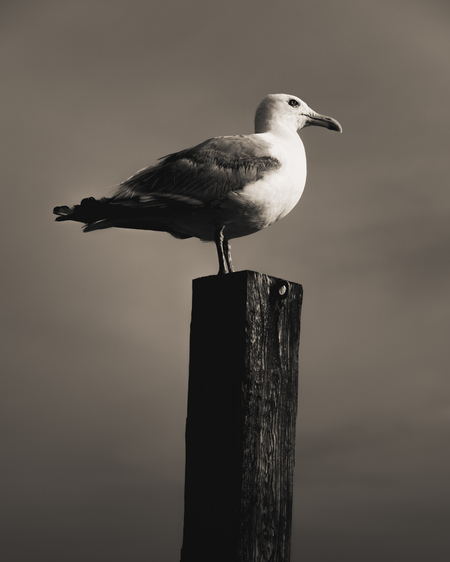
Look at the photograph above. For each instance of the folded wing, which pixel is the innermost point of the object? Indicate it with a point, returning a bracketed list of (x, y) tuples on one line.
[(205, 172)]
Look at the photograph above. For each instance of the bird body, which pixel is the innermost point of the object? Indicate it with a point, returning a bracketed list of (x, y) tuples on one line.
[(264, 201), (223, 188)]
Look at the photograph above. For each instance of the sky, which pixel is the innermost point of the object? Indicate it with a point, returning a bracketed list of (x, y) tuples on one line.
[(95, 327)]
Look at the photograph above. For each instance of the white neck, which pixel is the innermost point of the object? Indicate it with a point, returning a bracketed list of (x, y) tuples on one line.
[(275, 126)]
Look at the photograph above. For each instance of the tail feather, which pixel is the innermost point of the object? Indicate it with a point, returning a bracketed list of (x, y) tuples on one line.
[(63, 212), (98, 214), (130, 222), (88, 211)]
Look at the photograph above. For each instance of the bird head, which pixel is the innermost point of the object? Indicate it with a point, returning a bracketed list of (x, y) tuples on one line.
[(278, 112)]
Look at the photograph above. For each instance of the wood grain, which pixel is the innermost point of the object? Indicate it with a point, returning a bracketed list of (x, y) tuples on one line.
[(242, 408)]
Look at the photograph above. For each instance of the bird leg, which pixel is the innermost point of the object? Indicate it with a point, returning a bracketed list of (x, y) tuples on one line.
[(221, 244), (227, 248)]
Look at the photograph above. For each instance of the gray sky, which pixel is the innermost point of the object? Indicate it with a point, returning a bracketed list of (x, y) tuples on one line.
[(95, 327)]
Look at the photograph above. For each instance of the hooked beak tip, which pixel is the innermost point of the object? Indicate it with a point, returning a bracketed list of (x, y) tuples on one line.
[(336, 127), (324, 121)]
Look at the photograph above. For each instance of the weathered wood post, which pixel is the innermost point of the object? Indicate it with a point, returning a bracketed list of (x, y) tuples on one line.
[(242, 408)]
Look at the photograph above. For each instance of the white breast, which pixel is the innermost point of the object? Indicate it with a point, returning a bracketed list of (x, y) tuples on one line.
[(269, 199)]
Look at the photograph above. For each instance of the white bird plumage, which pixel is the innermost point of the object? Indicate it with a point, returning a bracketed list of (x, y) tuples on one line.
[(223, 188)]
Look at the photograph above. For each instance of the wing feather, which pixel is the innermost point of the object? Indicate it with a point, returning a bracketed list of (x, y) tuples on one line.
[(205, 172)]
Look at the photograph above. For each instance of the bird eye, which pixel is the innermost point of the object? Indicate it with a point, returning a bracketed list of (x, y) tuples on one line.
[(293, 103)]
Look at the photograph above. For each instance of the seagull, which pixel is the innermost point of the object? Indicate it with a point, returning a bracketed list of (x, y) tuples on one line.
[(223, 188)]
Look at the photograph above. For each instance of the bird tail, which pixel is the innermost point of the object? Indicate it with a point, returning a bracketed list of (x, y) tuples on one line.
[(92, 212), (98, 214), (88, 211)]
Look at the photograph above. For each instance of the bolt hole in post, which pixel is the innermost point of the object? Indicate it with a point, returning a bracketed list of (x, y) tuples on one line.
[(279, 291), (283, 290)]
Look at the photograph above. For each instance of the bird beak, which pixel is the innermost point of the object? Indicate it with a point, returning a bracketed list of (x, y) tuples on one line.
[(313, 118)]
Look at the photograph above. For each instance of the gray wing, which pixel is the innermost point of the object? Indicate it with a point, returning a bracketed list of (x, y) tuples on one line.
[(203, 173)]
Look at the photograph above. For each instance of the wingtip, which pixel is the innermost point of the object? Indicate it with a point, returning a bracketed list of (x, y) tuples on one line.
[(62, 211)]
